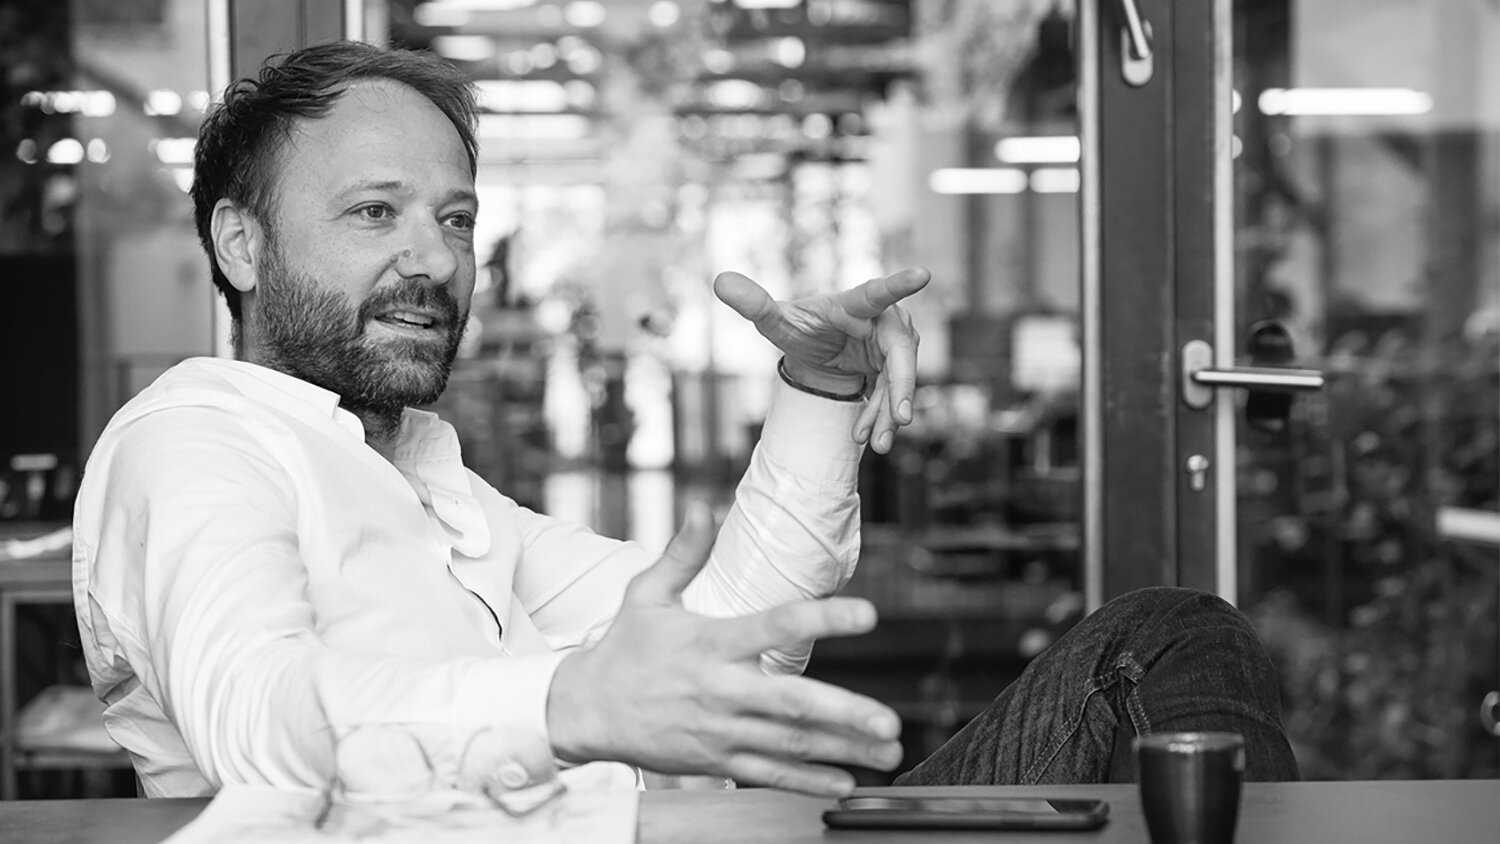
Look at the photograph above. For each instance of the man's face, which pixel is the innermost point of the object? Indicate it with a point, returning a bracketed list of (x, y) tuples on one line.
[(367, 269)]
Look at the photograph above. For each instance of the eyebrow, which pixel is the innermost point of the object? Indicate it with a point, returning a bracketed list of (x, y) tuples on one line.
[(395, 186)]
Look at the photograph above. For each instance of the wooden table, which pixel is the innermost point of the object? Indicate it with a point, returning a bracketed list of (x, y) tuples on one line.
[(1427, 812)]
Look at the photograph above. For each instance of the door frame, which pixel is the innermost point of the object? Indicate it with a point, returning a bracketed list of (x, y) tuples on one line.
[(1157, 229)]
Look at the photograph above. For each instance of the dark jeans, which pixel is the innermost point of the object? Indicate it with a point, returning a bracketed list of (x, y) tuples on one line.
[(1155, 660)]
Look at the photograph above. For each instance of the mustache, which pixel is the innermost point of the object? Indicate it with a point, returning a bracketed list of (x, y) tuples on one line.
[(411, 295)]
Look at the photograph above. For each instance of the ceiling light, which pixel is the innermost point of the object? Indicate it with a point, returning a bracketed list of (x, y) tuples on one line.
[(817, 126), (1055, 180), (548, 127), (464, 48), (65, 151), (433, 14), (163, 103), (94, 103), (789, 52), (534, 95), (1344, 102), (583, 59), (663, 13), (1042, 149), (734, 94), (174, 150), (965, 180), (585, 13)]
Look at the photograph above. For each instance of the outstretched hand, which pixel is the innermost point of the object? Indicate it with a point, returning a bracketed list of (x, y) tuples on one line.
[(841, 342), (671, 691)]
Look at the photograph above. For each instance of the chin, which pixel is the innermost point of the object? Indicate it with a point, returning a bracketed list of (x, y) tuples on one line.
[(413, 381)]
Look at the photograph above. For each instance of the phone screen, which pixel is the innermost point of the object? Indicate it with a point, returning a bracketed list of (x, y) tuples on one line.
[(967, 813)]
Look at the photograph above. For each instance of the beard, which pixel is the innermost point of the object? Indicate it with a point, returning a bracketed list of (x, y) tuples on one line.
[(317, 334)]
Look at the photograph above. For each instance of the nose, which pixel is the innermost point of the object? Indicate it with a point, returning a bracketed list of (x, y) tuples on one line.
[(429, 254)]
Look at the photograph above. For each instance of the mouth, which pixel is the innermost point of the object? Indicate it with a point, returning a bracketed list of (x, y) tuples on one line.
[(410, 319)]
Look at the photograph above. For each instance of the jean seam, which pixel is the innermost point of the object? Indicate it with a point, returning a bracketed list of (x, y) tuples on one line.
[(1094, 686), (1132, 671)]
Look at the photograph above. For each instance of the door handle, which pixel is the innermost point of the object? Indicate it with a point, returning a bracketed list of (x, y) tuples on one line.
[(1200, 377), (1137, 59)]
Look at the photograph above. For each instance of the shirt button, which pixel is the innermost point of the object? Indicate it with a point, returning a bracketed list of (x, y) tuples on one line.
[(512, 775)]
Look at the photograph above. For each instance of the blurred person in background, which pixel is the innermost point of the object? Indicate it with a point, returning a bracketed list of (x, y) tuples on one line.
[(285, 575)]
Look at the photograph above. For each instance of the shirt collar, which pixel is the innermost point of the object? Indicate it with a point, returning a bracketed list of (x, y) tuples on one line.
[(427, 450), (272, 386)]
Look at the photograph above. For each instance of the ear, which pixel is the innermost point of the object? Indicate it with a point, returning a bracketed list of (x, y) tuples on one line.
[(237, 240)]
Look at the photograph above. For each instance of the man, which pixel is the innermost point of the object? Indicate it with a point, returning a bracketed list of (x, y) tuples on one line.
[(285, 576)]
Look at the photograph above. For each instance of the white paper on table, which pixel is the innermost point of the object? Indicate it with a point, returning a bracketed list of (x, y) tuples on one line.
[(242, 814)]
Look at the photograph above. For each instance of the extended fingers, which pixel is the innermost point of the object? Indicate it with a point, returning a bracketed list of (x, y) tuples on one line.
[(747, 298), (898, 341), (815, 743), (795, 623), (794, 700), (883, 430), (867, 300), (817, 780), (796, 720), (864, 426)]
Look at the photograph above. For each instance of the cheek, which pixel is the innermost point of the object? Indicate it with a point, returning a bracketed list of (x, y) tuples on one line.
[(352, 271), (463, 281)]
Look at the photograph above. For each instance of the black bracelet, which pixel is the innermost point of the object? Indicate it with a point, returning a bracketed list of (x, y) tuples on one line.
[(823, 394)]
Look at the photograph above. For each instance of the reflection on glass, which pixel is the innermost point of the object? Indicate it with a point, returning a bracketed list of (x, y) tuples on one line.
[(100, 104), (1366, 192), (810, 146)]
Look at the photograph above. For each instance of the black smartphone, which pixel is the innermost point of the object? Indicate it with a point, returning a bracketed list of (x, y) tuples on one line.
[(860, 812)]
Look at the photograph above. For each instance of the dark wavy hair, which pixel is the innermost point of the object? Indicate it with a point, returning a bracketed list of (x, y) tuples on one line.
[(242, 136)]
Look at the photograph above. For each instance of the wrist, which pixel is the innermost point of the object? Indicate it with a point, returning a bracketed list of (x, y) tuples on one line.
[(821, 381), (571, 712)]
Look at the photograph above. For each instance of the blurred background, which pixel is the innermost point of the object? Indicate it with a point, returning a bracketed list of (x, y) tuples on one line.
[(631, 149)]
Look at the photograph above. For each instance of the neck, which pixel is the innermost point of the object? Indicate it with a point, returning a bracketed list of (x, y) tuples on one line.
[(382, 425), (381, 428)]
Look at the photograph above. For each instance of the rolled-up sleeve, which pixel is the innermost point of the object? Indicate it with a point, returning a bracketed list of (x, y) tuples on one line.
[(793, 532)]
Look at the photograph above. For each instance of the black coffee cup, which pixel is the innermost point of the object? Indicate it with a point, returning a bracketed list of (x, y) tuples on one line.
[(1190, 786)]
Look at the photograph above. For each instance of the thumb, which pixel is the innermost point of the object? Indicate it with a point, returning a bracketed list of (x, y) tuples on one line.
[(664, 581), (748, 299)]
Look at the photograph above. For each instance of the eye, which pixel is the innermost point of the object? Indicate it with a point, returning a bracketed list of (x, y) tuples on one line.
[(463, 221), (375, 211)]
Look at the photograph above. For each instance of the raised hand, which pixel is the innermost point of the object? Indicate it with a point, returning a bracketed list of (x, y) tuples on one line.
[(675, 692), (840, 341)]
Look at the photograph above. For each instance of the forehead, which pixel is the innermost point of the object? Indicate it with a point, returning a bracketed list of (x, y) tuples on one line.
[(378, 129)]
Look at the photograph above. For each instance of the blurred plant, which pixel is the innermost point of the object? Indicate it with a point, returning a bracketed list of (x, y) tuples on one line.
[(1385, 632), (991, 43)]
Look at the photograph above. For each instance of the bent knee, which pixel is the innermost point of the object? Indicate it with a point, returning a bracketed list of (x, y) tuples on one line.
[(1187, 607)]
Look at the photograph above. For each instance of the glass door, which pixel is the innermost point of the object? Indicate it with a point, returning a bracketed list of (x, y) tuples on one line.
[(631, 150), (1365, 155)]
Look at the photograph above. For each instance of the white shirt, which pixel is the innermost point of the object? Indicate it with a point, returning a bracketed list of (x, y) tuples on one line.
[(253, 582)]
